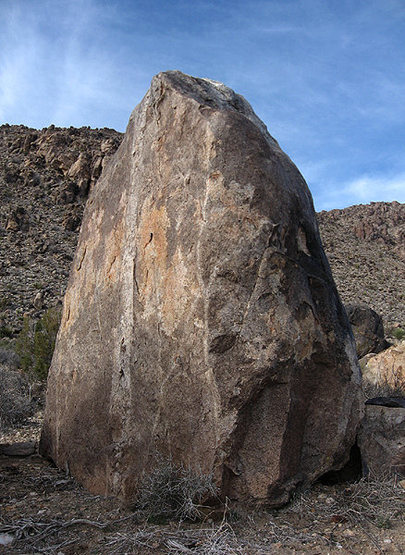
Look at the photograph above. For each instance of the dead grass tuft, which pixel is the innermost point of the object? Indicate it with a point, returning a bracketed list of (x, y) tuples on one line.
[(378, 501), (173, 492)]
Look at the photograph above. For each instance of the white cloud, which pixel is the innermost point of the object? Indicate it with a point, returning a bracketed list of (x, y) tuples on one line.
[(360, 190), (58, 66), (367, 186)]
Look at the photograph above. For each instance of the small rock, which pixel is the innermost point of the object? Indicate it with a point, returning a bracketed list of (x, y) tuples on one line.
[(381, 440), (367, 328), (348, 533), (39, 300), (386, 368), (6, 539)]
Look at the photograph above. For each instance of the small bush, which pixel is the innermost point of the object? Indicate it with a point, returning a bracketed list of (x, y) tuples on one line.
[(36, 342), (174, 492), (15, 401), (398, 333), (5, 331)]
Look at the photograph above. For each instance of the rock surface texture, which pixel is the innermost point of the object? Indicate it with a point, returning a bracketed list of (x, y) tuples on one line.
[(201, 320), (386, 368)]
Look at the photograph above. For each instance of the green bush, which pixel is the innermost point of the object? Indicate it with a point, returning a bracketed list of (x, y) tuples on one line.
[(398, 333), (36, 342), (5, 331)]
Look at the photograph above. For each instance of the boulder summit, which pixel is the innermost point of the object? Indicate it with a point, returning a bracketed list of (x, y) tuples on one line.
[(201, 322)]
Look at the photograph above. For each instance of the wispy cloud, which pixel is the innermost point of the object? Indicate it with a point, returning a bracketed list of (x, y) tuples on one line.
[(377, 187), (362, 189), (57, 64)]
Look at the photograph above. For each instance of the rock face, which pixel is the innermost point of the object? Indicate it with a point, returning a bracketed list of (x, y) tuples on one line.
[(368, 329), (382, 440), (201, 321)]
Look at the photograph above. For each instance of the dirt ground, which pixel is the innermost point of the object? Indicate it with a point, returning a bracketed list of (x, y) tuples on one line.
[(45, 511)]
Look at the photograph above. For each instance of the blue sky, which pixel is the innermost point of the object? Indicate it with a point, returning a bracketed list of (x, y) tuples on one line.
[(327, 77)]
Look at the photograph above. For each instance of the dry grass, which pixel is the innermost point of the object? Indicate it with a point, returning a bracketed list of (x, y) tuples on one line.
[(174, 492), (206, 540), (310, 521), (377, 501)]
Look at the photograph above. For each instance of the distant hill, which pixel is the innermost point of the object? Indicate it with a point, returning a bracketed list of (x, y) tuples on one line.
[(365, 245), (46, 175)]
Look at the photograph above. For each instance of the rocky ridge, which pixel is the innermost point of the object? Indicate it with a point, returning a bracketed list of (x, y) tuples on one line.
[(45, 177), (365, 245)]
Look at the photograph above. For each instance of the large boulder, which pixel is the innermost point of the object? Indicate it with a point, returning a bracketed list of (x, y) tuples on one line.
[(368, 329), (201, 320)]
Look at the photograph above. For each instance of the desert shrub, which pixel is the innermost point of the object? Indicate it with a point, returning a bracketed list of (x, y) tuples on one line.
[(398, 333), (24, 344), (15, 400), (5, 331), (173, 492), (36, 342)]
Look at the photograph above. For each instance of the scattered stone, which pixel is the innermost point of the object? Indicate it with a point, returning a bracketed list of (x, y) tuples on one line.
[(6, 539), (18, 220), (201, 322), (368, 266), (39, 300), (348, 533)]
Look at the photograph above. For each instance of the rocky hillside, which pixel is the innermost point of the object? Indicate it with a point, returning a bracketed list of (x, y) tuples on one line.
[(46, 175), (365, 245)]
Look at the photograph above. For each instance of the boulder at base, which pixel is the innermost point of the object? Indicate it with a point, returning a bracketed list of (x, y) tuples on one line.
[(382, 440), (368, 329), (386, 370), (201, 320)]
